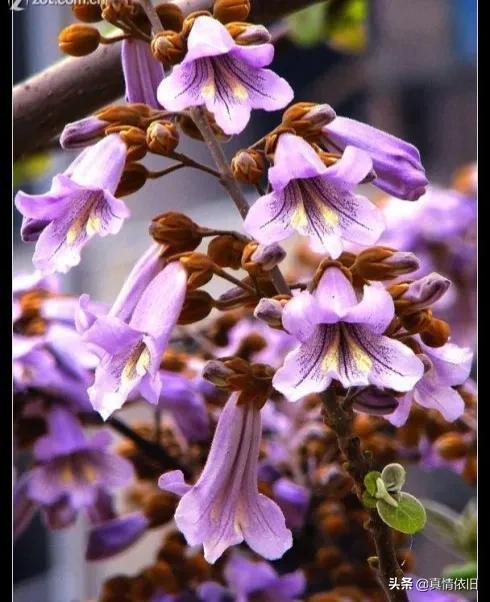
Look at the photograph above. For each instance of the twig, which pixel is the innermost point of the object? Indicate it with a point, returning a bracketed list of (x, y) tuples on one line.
[(151, 13), (340, 421)]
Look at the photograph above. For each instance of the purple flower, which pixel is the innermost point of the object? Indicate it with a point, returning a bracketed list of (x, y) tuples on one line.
[(131, 351), (229, 79), (224, 507), (315, 200), (80, 204), (396, 162), (342, 338), (445, 367), (116, 535), (182, 398), (142, 72), (293, 499), (73, 472), (248, 580)]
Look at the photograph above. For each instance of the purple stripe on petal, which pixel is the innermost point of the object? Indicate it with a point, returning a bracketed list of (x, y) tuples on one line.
[(142, 72)]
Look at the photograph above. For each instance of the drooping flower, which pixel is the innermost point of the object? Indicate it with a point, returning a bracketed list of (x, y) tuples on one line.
[(224, 507), (445, 367), (228, 78), (315, 200), (249, 580), (131, 351), (79, 204), (396, 163), (72, 472), (142, 72), (342, 338)]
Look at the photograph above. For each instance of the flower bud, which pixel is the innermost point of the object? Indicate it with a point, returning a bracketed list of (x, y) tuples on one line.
[(272, 139), (82, 133), (134, 177), (247, 34), (231, 10), (436, 334), (217, 373), (383, 263), (425, 291), (226, 251), (417, 321), (308, 118), (88, 12), (170, 15), (176, 230), (168, 47), (200, 269), (189, 21), (190, 129), (161, 576), (78, 39), (125, 114), (270, 312), (451, 446), (376, 402), (248, 166), (197, 306), (162, 137), (266, 256), (159, 509)]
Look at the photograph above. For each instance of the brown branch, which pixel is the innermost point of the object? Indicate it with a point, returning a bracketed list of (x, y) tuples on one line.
[(76, 87), (339, 420)]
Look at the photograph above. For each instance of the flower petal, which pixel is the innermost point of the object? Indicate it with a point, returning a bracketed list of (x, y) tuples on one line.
[(269, 218), (294, 158), (142, 72), (115, 536), (445, 400), (376, 310), (300, 315), (208, 37), (174, 482)]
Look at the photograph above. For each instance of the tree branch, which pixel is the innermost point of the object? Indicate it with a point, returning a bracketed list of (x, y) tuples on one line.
[(76, 87), (340, 421)]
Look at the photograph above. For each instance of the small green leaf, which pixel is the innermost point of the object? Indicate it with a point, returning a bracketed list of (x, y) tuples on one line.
[(468, 570), (369, 501), (393, 476), (370, 482), (408, 517)]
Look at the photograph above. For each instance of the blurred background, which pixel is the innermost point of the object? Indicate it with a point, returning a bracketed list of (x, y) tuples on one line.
[(406, 67)]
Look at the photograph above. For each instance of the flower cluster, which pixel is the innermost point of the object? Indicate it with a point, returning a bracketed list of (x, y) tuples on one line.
[(246, 454)]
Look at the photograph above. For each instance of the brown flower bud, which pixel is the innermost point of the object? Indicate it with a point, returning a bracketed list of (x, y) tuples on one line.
[(162, 577), (86, 11), (451, 446), (78, 39), (247, 34), (176, 230), (231, 10), (126, 114), (190, 129), (417, 321), (119, 584), (217, 373), (308, 118), (168, 47), (226, 251), (197, 306), (470, 470), (170, 15), (141, 588), (328, 557), (248, 166), (159, 508), (383, 263), (134, 138), (436, 334), (162, 137), (272, 139), (134, 177), (200, 269)]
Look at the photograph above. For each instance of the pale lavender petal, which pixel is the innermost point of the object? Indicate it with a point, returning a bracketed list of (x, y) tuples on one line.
[(142, 72), (451, 363), (376, 310), (334, 295), (174, 482), (44, 485), (114, 471), (287, 588), (245, 576), (300, 315), (294, 158), (255, 55), (182, 88), (269, 219), (293, 499), (445, 400), (112, 334), (115, 536), (352, 167), (65, 436), (83, 132), (87, 313), (208, 37), (400, 415)]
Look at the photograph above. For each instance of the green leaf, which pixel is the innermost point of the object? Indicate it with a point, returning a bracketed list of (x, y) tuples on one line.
[(468, 570), (393, 476), (369, 501), (408, 517), (370, 482), (307, 26)]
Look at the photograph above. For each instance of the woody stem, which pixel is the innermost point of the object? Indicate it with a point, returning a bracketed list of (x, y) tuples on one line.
[(339, 419)]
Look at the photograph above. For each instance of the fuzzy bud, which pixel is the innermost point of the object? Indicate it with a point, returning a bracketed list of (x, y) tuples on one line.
[(436, 334), (170, 15), (162, 137), (231, 10), (247, 34), (82, 133), (383, 263), (176, 230), (125, 114), (197, 306), (78, 39), (270, 312), (200, 269), (248, 166), (159, 509), (451, 446), (424, 292), (168, 47), (88, 12), (217, 373), (134, 177), (226, 251), (308, 118), (265, 256), (135, 140)]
